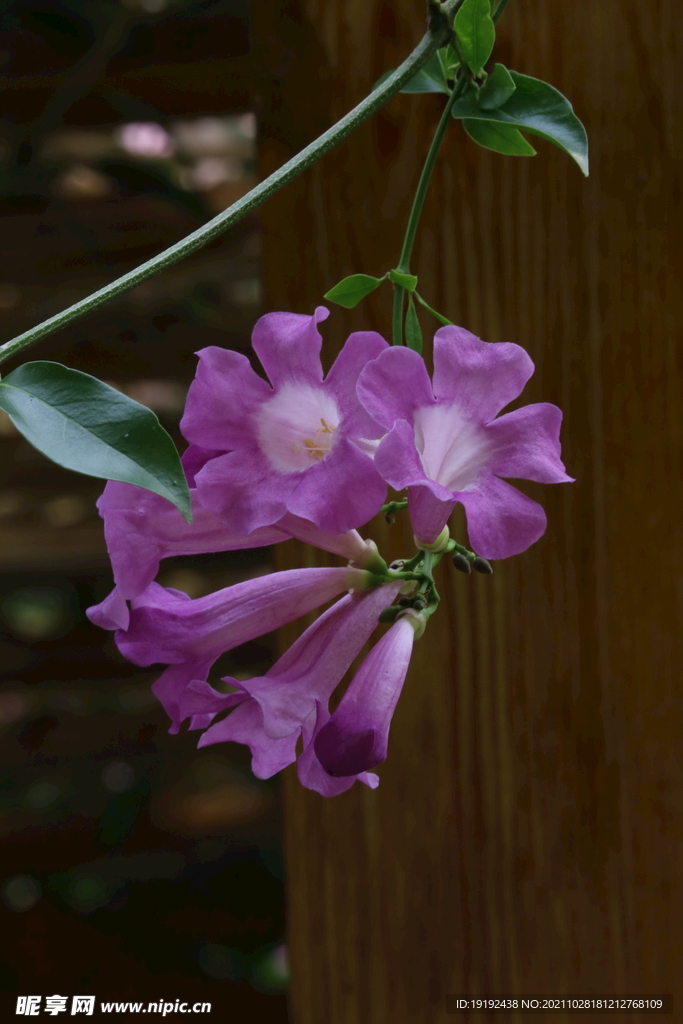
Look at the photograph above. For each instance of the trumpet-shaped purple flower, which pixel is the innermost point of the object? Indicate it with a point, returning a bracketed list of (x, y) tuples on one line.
[(271, 712), (142, 528), (356, 736), (445, 445), (189, 635), (316, 663), (294, 444)]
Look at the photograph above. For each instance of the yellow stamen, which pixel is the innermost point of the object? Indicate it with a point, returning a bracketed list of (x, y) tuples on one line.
[(316, 450)]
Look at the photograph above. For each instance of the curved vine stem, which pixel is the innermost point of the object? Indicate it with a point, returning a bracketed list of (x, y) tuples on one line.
[(437, 35)]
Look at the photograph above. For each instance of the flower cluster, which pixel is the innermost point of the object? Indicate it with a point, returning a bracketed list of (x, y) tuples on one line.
[(310, 456)]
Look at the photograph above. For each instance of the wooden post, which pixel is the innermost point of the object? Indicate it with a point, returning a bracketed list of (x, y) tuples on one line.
[(525, 837)]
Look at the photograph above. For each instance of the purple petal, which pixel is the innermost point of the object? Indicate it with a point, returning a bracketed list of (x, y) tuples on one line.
[(316, 663), (288, 345), (349, 545), (357, 735), (195, 458), (134, 551), (482, 377), (168, 627), (394, 385), (112, 613), (199, 698), (429, 510), (200, 722), (244, 490), (311, 773), (340, 493), (222, 400), (501, 521), (245, 725), (526, 444), (170, 687), (141, 528), (360, 348), (122, 496), (397, 457)]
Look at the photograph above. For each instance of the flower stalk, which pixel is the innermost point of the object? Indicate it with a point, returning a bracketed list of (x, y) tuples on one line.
[(418, 204)]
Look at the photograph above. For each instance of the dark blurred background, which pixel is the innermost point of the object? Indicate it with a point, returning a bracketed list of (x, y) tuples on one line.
[(133, 866)]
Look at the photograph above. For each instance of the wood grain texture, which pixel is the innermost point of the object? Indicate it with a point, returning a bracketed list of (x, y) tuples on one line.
[(526, 835)]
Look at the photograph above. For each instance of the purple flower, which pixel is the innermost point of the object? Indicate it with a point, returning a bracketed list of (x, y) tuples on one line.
[(444, 444), (271, 712), (316, 663), (141, 528), (189, 635), (356, 736), (298, 444)]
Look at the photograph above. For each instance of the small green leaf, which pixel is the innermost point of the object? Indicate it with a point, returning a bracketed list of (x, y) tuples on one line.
[(497, 89), (476, 33), (450, 61), (430, 78), (413, 331), (407, 281), (502, 138), (535, 107), (442, 319), (82, 424), (351, 290)]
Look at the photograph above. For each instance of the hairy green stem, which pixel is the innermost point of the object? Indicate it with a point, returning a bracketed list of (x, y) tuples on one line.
[(429, 44)]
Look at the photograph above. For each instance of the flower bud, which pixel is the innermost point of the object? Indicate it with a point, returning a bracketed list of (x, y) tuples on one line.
[(461, 562), (481, 565)]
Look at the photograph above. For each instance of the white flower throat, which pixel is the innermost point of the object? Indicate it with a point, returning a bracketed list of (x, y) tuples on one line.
[(452, 449), (297, 427)]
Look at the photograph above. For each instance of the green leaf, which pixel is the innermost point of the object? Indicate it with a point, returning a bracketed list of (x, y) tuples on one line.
[(502, 138), (450, 61), (351, 290), (82, 424), (430, 78), (407, 281), (442, 319), (476, 33), (413, 331), (538, 108), (497, 89)]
